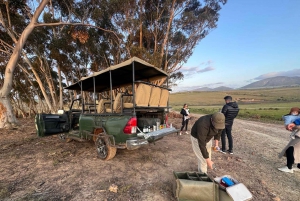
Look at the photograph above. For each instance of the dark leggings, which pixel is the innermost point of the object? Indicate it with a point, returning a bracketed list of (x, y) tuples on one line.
[(184, 124), (230, 142), (290, 158)]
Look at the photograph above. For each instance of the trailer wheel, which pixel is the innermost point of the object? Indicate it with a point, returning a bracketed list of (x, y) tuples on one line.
[(104, 149)]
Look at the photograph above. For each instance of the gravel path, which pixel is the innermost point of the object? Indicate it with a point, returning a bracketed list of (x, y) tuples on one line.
[(35, 168)]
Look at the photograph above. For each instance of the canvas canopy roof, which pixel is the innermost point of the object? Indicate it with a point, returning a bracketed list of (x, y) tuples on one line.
[(121, 75)]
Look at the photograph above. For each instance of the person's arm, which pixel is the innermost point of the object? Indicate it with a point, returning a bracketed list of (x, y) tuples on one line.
[(292, 125), (216, 143), (209, 163), (217, 139), (202, 131), (224, 109), (297, 122), (216, 148), (237, 112), (218, 136)]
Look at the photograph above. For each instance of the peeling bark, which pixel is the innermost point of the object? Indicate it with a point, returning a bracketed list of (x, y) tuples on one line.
[(7, 117)]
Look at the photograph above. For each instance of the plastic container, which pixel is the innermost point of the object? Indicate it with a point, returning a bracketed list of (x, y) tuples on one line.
[(158, 125), (222, 186), (227, 181)]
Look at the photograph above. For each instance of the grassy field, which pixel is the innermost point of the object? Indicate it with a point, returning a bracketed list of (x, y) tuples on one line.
[(258, 104)]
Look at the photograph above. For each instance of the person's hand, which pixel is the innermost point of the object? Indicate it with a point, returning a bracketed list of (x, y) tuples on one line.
[(216, 148), (209, 163), (290, 126)]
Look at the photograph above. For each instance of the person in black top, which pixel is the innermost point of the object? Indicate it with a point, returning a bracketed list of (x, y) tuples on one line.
[(185, 118), (230, 110)]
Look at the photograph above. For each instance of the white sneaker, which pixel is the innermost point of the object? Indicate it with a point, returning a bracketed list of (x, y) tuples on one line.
[(180, 133), (186, 132), (286, 169), (221, 151)]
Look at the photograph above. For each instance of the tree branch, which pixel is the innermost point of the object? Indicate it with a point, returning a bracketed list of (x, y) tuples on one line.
[(6, 52), (74, 24), (8, 15), (6, 44)]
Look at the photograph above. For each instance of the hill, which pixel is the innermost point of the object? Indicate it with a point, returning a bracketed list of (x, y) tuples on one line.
[(280, 81), (221, 88)]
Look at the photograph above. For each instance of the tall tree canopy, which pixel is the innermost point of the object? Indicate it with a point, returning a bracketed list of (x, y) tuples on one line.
[(47, 45)]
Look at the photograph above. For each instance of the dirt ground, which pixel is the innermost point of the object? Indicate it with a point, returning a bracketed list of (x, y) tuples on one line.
[(35, 168)]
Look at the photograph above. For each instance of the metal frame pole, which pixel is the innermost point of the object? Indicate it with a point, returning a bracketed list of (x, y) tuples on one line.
[(168, 92), (82, 98), (111, 98), (133, 91), (94, 95)]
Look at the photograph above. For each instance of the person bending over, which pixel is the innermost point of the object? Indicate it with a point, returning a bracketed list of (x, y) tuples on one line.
[(205, 128)]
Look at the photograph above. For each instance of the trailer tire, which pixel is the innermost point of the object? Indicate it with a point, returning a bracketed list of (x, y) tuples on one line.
[(104, 149)]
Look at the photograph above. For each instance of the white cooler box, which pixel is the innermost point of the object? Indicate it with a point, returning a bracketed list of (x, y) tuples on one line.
[(237, 192)]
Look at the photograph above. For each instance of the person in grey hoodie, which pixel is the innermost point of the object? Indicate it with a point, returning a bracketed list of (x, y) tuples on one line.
[(230, 110)]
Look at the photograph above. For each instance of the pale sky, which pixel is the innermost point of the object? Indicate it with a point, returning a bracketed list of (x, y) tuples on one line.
[(254, 40)]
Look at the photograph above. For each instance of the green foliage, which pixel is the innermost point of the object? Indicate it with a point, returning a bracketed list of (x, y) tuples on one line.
[(274, 114), (161, 32)]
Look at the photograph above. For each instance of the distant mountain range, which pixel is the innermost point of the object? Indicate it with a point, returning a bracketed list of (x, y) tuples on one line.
[(273, 82), (222, 88), (280, 81)]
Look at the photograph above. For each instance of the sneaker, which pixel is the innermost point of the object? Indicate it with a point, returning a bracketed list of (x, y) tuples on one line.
[(180, 133), (186, 132), (286, 169), (222, 151), (230, 151)]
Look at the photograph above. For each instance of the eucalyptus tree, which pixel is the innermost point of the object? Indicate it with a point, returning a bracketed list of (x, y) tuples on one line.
[(75, 38), (163, 32), (18, 20), (11, 11)]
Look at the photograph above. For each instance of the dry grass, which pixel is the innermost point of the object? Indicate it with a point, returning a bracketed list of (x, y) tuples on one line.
[(211, 98), (259, 104)]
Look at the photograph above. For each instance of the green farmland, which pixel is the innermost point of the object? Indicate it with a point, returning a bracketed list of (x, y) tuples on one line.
[(259, 104)]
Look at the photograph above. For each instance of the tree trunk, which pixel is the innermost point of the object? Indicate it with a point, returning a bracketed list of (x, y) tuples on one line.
[(141, 25), (40, 83), (60, 88), (49, 80), (7, 117), (164, 44)]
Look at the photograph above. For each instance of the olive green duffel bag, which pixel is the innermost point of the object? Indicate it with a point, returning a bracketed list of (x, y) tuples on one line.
[(194, 186)]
